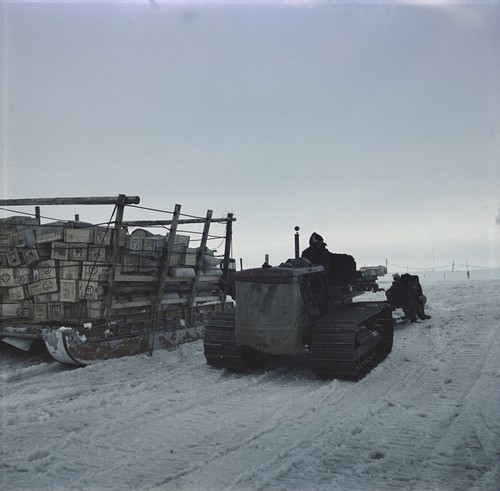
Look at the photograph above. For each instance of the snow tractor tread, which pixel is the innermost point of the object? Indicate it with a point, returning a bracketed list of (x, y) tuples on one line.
[(219, 342), (342, 345)]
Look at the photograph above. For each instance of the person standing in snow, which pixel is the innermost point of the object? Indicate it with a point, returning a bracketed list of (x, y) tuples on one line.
[(418, 296)]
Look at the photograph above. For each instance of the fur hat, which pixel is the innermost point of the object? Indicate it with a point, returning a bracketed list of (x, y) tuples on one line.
[(316, 238)]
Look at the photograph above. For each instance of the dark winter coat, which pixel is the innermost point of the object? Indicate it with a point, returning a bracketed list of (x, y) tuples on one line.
[(399, 294), (340, 268)]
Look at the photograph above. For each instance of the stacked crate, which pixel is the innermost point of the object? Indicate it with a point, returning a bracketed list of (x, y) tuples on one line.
[(61, 271)]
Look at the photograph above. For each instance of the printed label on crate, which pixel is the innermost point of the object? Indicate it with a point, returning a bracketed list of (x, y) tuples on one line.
[(55, 310), (22, 276), (92, 271), (47, 269), (67, 290), (82, 235), (69, 270), (77, 252), (97, 254), (49, 233), (25, 309), (60, 251), (6, 277), (102, 236), (40, 312), (31, 256), (14, 258), (134, 244), (49, 285), (88, 290)]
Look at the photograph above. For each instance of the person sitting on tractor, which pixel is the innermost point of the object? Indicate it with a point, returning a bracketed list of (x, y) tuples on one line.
[(340, 268)]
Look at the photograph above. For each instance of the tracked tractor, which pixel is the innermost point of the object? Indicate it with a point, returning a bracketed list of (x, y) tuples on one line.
[(295, 309)]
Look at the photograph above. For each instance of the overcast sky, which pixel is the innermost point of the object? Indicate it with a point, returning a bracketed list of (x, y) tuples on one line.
[(374, 124)]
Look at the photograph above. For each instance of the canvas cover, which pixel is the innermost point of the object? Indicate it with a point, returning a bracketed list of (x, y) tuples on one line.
[(268, 317)]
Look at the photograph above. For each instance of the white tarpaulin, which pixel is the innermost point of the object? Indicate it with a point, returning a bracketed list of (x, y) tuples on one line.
[(268, 317)]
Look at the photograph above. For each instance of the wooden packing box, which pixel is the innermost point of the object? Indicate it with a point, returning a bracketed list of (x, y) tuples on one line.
[(6, 277), (89, 290), (9, 309), (41, 287), (40, 312), (77, 251), (55, 310), (190, 256), (5, 242), (95, 272), (30, 255), (81, 235), (60, 251), (104, 236), (11, 225), (22, 276), (14, 259), (67, 290), (17, 293), (46, 270), (70, 270), (76, 310), (99, 254), (24, 238), (50, 232)]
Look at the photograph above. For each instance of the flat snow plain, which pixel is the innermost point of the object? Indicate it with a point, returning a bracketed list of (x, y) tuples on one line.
[(428, 418)]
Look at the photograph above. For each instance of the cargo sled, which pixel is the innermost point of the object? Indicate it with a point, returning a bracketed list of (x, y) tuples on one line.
[(97, 291)]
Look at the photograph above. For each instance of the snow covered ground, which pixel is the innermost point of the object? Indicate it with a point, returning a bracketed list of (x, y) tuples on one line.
[(428, 418)]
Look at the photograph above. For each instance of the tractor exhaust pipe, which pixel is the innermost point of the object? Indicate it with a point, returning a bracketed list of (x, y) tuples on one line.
[(297, 243)]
